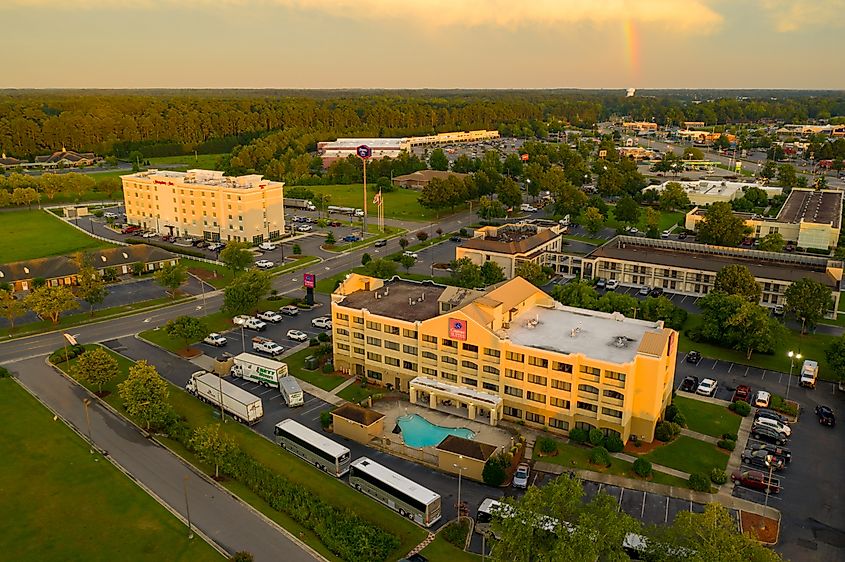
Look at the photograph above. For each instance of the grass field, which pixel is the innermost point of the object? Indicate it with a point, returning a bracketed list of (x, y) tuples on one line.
[(706, 418), (667, 220), (296, 365), (215, 322), (57, 503), (400, 204), (31, 234), (330, 489), (689, 455), (186, 162), (442, 551)]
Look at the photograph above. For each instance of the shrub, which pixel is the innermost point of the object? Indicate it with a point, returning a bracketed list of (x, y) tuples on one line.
[(596, 436), (366, 258), (326, 418), (98, 213), (323, 337), (463, 232), (741, 407), (297, 249), (699, 482), (726, 444), (600, 457), (313, 342), (680, 420), (666, 431), (169, 247), (4, 373), (328, 368), (494, 472), (456, 533), (718, 476), (613, 443), (69, 352), (780, 405), (330, 239), (729, 436), (578, 435), (546, 445), (642, 467), (242, 556), (671, 412)]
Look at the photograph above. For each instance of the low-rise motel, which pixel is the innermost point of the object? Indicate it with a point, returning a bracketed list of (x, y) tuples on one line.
[(509, 352)]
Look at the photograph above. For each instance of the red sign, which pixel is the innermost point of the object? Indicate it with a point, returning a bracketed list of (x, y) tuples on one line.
[(525, 157), (309, 280), (457, 329)]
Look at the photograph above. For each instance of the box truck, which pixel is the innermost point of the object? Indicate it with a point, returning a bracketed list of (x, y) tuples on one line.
[(291, 392), (809, 374), (239, 403), (257, 369)]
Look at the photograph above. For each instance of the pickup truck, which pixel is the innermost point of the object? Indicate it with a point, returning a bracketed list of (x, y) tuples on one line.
[(756, 480), (249, 322), (267, 346), (270, 316)]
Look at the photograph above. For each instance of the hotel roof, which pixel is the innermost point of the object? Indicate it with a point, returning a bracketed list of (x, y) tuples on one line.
[(808, 205), (406, 300), (512, 239), (209, 178)]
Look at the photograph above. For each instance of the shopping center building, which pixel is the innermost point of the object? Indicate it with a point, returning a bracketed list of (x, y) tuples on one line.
[(509, 352)]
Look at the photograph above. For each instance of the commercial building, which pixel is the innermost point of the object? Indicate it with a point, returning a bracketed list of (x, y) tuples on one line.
[(810, 219), (60, 159), (706, 192), (420, 179), (511, 244), (458, 137), (205, 204), (509, 352), (640, 126), (704, 137), (690, 269)]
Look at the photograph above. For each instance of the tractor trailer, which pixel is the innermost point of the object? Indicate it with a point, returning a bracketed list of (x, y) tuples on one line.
[(239, 403)]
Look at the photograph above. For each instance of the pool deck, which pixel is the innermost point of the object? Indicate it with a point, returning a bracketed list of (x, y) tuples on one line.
[(485, 433)]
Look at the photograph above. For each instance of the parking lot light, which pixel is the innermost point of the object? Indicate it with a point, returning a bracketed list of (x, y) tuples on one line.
[(792, 357)]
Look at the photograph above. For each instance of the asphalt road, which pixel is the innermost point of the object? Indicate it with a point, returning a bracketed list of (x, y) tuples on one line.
[(227, 521)]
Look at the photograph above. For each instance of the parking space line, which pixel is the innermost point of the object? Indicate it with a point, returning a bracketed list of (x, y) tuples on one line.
[(685, 298), (621, 493), (642, 511), (731, 367), (666, 516), (746, 372), (763, 376), (266, 391), (312, 409), (715, 362), (780, 376), (690, 506)]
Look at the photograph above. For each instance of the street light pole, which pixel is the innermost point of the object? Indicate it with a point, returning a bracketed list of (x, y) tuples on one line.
[(188, 509), (792, 357), (460, 472), (85, 403)]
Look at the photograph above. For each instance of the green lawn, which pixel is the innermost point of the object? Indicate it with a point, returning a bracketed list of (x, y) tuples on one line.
[(31, 234), (667, 219), (319, 379), (215, 322), (689, 455), (186, 162), (356, 393), (58, 502), (400, 204), (215, 275), (330, 489), (709, 419), (442, 551)]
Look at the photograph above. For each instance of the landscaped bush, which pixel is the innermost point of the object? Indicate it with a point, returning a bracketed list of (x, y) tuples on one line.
[(780, 405), (596, 436), (323, 337), (169, 247), (666, 431), (680, 420), (578, 435), (495, 468), (726, 444), (729, 436), (671, 411), (546, 445), (456, 532), (699, 482), (4, 373), (718, 476), (328, 368), (326, 419), (69, 352), (741, 407), (313, 342), (613, 443), (600, 457), (642, 467)]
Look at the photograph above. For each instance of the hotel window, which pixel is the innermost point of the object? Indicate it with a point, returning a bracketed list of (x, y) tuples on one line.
[(373, 357), (512, 412), (391, 330), (518, 357), (374, 375), (450, 343), (538, 361), (341, 316), (470, 347), (429, 339), (562, 367), (373, 325), (373, 341), (468, 381), (615, 376), (409, 333), (450, 377), (559, 403), (358, 350), (559, 424), (537, 379), (391, 361), (358, 320), (358, 335), (429, 372), (513, 391), (535, 418), (588, 407), (343, 347), (586, 369), (408, 365), (536, 396), (429, 355), (449, 360), (611, 413), (391, 345), (409, 349), (469, 365), (491, 370), (584, 425), (613, 394), (342, 332), (561, 385), (490, 386), (588, 388), (492, 352), (511, 374)]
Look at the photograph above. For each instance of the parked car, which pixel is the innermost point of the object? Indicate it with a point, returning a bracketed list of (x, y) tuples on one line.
[(790, 247), (656, 292), (456, 239), (707, 387), (762, 399), (380, 243), (215, 339), (131, 229), (149, 235), (600, 284), (323, 322), (774, 424), (742, 392), (267, 246), (768, 434), (693, 357), (270, 316), (612, 284), (767, 413), (665, 234), (289, 310), (644, 291), (304, 228), (411, 254), (778, 310), (526, 208), (216, 246), (335, 223), (520, 477), (689, 384), (296, 335), (756, 480), (682, 236), (762, 459), (264, 264), (350, 238), (249, 322), (782, 452), (825, 415)]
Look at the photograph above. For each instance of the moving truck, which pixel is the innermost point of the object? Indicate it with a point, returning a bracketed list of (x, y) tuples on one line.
[(300, 204), (291, 392), (257, 369), (239, 403), (809, 374)]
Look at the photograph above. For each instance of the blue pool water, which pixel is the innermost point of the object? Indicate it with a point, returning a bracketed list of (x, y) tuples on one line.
[(418, 432)]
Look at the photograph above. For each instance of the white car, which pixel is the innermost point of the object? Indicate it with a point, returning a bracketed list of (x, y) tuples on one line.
[(267, 246), (270, 316), (611, 285), (632, 230), (304, 228), (264, 264), (774, 424), (215, 339), (707, 387), (289, 310), (149, 235), (644, 290), (526, 208), (323, 322), (110, 215), (214, 246), (520, 477), (762, 399), (665, 234), (411, 254), (297, 335)]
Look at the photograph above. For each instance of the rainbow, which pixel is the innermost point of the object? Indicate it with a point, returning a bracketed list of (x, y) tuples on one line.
[(632, 41)]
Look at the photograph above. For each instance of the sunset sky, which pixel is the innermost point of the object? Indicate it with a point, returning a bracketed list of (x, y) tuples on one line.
[(794, 44)]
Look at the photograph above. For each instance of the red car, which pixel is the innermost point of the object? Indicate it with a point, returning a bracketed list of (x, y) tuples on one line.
[(130, 229), (743, 392)]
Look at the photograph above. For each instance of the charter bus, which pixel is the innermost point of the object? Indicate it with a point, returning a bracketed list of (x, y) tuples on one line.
[(312, 447), (395, 491)]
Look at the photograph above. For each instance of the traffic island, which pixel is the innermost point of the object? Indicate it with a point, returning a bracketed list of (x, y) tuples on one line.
[(764, 529)]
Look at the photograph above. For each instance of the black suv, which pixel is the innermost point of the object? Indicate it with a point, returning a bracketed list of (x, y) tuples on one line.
[(782, 452), (689, 384), (769, 435), (826, 416), (771, 414), (693, 357)]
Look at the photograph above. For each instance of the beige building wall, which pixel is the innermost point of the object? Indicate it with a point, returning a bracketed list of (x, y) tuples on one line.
[(472, 468), (805, 234), (356, 431)]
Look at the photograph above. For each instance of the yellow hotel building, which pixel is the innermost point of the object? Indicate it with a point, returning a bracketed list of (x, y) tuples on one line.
[(510, 352), (205, 204)]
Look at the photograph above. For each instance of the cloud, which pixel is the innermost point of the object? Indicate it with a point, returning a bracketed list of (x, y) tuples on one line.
[(795, 15), (683, 15)]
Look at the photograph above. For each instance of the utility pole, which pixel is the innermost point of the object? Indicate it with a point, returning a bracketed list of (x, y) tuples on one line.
[(188, 509), (86, 402)]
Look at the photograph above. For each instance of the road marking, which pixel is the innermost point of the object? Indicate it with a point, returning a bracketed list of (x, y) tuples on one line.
[(266, 391), (621, 493), (685, 298), (312, 409), (642, 511), (780, 376), (746, 372), (731, 367), (716, 362), (763, 376), (666, 516)]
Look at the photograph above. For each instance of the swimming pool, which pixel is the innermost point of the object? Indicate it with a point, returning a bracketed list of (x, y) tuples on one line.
[(418, 432)]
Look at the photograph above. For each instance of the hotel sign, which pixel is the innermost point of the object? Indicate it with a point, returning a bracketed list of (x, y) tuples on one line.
[(457, 329), (309, 280)]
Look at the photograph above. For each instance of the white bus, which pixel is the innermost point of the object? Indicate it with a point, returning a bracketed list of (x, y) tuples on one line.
[(490, 508), (309, 445), (395, 491)]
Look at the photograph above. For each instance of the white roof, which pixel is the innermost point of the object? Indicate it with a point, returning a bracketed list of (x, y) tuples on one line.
[(265, 362), (290, 384), (230, 389), (395, 480), (371, 142), (466, 393), (308, 434)]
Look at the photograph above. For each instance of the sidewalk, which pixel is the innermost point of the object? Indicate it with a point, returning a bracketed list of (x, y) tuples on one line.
[(657, 467), (699, 436)]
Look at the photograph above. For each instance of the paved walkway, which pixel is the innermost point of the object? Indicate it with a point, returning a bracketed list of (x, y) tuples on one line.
[(735, 462), (345, 384), (699, 436)]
